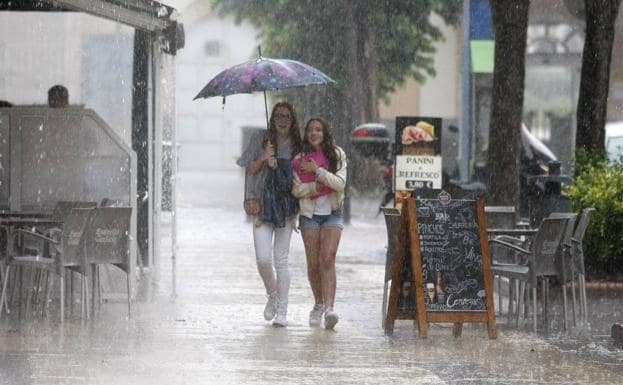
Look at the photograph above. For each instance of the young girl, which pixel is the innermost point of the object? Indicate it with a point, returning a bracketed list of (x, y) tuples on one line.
[(268, 168), (319, 181)]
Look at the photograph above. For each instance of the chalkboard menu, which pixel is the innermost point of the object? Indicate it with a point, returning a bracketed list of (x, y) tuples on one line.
[(406, 298), (451, 255), (441, 270)]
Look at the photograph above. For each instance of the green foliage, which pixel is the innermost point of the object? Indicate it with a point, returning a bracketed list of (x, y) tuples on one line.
[(600, 185), (584, 159), (314, 31)]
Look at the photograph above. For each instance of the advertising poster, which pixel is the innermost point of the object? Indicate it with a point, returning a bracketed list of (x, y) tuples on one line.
[(418, 163)]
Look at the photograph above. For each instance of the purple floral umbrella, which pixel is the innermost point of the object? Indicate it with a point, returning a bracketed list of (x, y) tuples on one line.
[(262, 74)]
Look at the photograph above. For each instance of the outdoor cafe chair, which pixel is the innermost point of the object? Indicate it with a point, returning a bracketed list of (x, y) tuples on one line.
[(564, 262), (61, 251), (392, 224), (577, 255), (60, 212), (572, 260), (107, 241), (536, 263), (503, 217)]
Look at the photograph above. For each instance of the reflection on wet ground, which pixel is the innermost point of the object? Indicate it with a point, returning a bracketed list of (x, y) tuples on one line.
[(213, 331)]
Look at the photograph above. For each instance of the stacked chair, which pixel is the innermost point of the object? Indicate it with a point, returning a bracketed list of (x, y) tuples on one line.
[(576, 254), (548, 255), (88, 237), (535, 262), (107, 241), (61, 252)]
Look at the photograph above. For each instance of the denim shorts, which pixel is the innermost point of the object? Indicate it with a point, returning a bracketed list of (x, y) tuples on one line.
[(317, 222)]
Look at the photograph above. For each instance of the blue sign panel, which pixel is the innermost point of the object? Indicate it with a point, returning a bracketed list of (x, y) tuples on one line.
[(481, 23)]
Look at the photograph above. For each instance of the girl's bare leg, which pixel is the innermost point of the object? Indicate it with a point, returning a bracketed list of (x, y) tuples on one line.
[(311, 240), (329, 241)]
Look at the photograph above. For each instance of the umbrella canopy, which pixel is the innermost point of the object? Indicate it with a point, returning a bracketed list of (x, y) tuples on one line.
[(534, 148), (263, 74)]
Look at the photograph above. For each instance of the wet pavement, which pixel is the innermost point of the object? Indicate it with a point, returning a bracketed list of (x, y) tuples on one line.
[(213, 332)]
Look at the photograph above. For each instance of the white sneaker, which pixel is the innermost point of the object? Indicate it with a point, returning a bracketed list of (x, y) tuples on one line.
[(280, 321), (271, 307), (315, 316), (330, 318)]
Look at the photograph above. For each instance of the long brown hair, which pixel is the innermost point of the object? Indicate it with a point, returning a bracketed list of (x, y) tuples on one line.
[(294, 132), (328, 144)]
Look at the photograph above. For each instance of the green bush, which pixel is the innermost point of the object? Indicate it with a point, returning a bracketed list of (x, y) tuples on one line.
[(600, 185)]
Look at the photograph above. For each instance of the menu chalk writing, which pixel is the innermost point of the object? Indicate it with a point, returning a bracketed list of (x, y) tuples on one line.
[(442, 252), (451, 255)]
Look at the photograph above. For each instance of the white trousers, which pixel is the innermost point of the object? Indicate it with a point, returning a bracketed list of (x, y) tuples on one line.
[(272, 245)]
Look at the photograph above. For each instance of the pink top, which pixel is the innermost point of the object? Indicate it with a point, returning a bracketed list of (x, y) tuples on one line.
[(307, 177)]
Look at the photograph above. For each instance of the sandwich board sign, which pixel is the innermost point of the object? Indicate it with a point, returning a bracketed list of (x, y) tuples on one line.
[(444, 246)]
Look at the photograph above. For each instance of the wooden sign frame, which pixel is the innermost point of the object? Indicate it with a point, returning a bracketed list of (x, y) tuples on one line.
[(409, 226)]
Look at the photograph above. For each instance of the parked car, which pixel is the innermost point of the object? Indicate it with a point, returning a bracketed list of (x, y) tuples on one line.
[(370, 156)]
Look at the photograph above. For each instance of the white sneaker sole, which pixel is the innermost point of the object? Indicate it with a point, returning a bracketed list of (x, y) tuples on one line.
[(330, 321), (280, 324)]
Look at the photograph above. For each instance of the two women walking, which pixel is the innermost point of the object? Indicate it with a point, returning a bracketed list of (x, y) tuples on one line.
[(290, 176)]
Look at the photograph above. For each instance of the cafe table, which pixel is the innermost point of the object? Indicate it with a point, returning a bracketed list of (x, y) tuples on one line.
[(515, 232)]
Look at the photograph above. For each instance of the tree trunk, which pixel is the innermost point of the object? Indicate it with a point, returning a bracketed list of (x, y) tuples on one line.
[(368, 60), (355, 91), (592, 102), (510, 22)]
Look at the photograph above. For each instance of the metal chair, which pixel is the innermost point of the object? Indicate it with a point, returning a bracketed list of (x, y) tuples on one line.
[(577, 255), (501, 217), (537, 263), (107, 241), (564, 261), (59, 252), (392, 224), (60, 212)]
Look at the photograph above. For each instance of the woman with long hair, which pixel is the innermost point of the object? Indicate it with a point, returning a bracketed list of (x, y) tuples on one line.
[(319, 181), (269, 172)]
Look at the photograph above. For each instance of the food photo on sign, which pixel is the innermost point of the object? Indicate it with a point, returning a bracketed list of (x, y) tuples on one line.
[(418, 135), (418, 139)]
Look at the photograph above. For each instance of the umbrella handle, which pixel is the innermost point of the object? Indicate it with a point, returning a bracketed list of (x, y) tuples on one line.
[(259, 51), (266, 109)]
